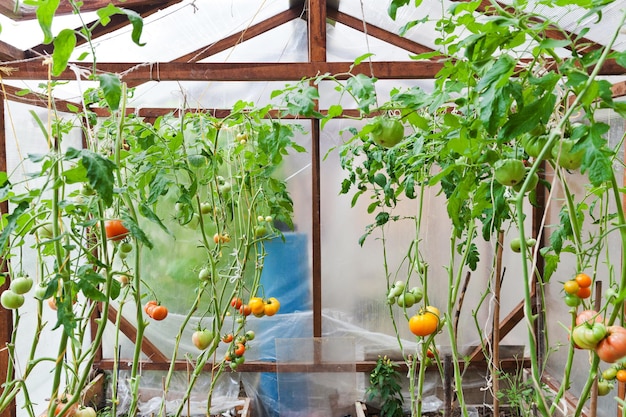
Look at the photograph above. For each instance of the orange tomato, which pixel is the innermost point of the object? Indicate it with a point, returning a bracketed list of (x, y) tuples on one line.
[(424, 323), (271, 306), (115, 230), (240, 349), (583, 280), (584, 292), (257, 306), (227, 338), (158, 312), (245, 310)]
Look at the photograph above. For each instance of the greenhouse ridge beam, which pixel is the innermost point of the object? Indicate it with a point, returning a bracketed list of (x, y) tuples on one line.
[(7, 7)]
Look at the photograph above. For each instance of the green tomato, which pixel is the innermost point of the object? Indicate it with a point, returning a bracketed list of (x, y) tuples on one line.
[(387, 131), (572, 300), (205, 208), (604, 387), (126, 247), (418, 293), (534, 180), (21, 285), (40, 292), (250, 335), (406, 299), (204, 274), (397, 288), (197, 161), (567, 158), (516, 244), (610, 373), (533, 145), (11, 300), (44, 231), (260, 231), (587, 336), (509, 171)]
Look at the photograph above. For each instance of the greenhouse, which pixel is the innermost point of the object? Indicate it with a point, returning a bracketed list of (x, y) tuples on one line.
[(312, 208)]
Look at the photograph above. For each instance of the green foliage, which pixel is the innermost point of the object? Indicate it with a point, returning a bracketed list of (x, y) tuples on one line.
[(384, 386)]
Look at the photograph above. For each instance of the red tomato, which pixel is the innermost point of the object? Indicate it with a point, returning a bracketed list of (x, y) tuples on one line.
[(227, 338), (115, 230), (583, 292), (236, 302), (245, 310), (613, 347)]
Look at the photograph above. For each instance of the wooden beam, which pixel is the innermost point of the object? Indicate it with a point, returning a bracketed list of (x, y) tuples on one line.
[(37, 99), (9, 52), (147, 347), (239, 71), (316, 19), (117, 22), (242, 36), (619, 89), (6, 315), (28, 13), (375, 31)]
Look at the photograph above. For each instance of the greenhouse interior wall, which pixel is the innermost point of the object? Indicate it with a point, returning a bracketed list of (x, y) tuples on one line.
[(333, 289)]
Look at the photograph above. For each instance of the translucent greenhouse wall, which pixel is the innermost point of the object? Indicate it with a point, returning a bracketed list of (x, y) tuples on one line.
[(353, 277)]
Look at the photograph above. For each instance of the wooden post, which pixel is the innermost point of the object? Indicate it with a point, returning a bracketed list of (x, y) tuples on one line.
[(317, 53), (495, 339), (6, 316)]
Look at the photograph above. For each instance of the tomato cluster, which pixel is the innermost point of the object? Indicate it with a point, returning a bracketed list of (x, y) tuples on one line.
[(235, 354), (398, 293), (593, 333), (155, 311), (577, 289), (256, 305)]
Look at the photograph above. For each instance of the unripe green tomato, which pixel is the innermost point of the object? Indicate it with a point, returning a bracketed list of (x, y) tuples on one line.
[(126, 247), (572, 300), (397, 288), (516, 244), (250, 335), (205, 208), (406, 300), (509, 171), (204, 274), (21, 285), (565, 157), (604, 387), (610, 373), (11, 300), (531, 242), (418, 293)]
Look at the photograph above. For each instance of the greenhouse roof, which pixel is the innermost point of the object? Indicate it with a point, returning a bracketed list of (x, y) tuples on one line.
[(250, 44)]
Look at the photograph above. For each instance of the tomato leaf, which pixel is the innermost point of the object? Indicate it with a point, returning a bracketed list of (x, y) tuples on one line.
[(134, 18), (135, 231), (45, 13), (89, 281), (100, 174), (64, 44), (148, 213), (394, 5), (12, 222), (362, 88), (112, 89)]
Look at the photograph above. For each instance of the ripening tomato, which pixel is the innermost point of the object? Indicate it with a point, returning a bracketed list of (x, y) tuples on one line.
[(424, 323), (587, 336), (149, 305), (613, 347), (245, 310), (272, 305), (202, 338), (571, 287), (240, 349), (583, 280), (115, 230), (589, 317), (621, 375), (158, 312), (85, 412), (236, 302), (60, 405), (257, 306), (227, 338), (583, 292)]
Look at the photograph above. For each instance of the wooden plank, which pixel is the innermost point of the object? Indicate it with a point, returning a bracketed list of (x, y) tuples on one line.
[(242, 36), (509, 322), (117, 22), (6, 316), (176, 71), (130, 331), (619, 89), (65, 8), (316, 19), (9, 52), (379, 33), (36, 99)]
